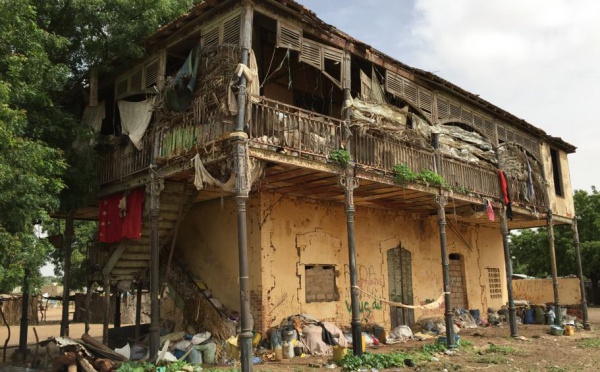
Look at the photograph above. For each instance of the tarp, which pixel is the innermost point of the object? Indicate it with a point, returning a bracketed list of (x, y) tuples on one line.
[(178, 94)]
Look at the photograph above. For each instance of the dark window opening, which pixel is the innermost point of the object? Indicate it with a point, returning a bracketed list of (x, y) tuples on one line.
[(311, 102), (556, 172)]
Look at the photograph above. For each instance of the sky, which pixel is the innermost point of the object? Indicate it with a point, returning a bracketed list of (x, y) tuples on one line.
[(537, 59)]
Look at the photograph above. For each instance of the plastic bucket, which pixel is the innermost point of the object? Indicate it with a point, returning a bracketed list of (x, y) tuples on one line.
[(529, 316), (556, 330), (339, 352)]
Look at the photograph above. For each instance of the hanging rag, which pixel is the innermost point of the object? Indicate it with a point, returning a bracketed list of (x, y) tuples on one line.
[(489, 210), (93, 116), (505, 194), (178, 94), (253, 83), (135, 117), (110, 225), (132, 222)]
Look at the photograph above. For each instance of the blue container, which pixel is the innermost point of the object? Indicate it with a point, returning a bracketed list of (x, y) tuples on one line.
[(529, 316)]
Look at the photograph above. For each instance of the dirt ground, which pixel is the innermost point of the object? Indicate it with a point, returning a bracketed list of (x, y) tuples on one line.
[(489, 349)]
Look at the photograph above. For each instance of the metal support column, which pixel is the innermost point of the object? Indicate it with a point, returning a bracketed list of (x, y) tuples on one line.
[(584, 309), (448, 315), (117, 319), (239, 141), (106, 286), (349, 183), (24, 316), (67, 242), (138, 311), (557, 309), (441, 202), (512, 311), (154, 330)]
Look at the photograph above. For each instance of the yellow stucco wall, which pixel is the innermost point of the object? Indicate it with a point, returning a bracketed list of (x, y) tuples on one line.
[(207, 243), (286, 234), (300, 232), (561, 205), (540, 291)]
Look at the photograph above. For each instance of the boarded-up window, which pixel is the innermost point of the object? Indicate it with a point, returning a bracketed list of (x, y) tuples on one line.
[(494, 282), (320, 283)]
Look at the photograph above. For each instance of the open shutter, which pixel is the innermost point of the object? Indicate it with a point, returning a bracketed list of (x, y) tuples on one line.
[(289, 36)]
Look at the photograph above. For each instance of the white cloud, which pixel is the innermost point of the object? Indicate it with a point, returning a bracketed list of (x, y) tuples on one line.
[(538, 59)]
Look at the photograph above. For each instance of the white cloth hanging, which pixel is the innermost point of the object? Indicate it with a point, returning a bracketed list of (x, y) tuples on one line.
[(93, 116), (135, 117)]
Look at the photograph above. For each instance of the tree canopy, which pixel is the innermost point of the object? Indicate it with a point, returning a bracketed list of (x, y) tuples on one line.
[(531, 248), (46, 50)]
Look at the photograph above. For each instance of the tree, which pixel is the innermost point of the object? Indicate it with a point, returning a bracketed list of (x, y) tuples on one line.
[(30, 170), (531, 252), (46, 50)]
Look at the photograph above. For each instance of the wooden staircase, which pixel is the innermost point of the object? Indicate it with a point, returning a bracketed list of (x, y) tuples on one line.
[(130, 259)]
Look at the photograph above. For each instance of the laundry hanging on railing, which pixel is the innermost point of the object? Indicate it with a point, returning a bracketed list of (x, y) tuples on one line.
[(179, 91), (135, 117), (203, 178), (120, 216)]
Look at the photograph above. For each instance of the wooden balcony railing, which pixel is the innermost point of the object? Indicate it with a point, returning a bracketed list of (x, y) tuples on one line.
[(124, 161), (292, 130)]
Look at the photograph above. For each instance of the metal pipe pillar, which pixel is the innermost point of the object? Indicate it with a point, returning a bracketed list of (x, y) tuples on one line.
[(67, 246), (441, 202), (154, 329), (24, 316), (584, 309), (557, 309), (117, 321), (512, 311), (239, 140), (349, 183), (106, 286), (138, 311), (448, 315)]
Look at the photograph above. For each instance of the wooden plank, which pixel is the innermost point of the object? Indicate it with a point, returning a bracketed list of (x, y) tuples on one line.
[(114, 258)]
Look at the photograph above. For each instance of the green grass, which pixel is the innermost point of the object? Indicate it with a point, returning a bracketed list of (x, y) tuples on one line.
[(590, 343)]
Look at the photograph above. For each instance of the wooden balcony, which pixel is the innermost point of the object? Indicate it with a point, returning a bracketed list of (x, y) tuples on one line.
[(293, 132)]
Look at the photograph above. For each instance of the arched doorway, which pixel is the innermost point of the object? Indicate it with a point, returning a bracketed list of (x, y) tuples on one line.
[(400, 283)]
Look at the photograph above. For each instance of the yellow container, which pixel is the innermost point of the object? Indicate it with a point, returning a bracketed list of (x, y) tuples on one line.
[(256, 339), (364, 343), (569, 330), (339, 352)]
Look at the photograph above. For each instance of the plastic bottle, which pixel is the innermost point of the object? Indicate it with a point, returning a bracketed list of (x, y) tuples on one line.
[(290, 350), (284, 347), (278, 352)]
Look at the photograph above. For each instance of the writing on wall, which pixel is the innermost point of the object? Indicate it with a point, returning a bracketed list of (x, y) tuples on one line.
[(370, 284)]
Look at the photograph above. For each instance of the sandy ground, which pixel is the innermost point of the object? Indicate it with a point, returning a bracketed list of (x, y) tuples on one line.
[(536, 350), (46, 329)]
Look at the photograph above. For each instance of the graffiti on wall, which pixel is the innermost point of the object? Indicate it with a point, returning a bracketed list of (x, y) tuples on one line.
[(370, 282)]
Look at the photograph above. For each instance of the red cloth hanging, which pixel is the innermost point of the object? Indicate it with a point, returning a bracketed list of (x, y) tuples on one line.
[(132, 223), (117, 220), (505, 194), (110, 227)]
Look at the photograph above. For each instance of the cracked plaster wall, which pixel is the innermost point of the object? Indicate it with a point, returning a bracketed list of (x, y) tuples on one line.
[(560, 205), (299, 232)]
